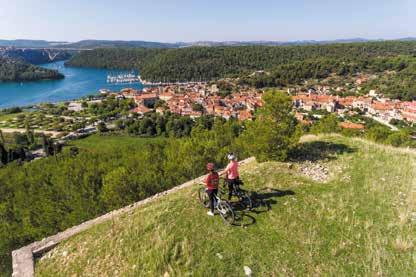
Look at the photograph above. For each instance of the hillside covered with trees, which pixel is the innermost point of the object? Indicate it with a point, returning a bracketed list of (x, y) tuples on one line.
[(114, 58), (276, 65), (15, 70)]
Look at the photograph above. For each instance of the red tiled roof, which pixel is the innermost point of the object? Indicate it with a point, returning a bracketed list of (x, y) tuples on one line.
[(128, 91), (409, 114), (244, 115), (141, 109), (350, 125), (382, 106), (146, 96)]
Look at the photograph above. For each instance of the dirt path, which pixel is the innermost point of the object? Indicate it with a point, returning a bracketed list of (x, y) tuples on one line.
[(13, 130)]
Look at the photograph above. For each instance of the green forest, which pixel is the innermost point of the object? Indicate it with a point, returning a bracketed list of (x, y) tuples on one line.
[(114, 58), (12, 70), (283, 65)]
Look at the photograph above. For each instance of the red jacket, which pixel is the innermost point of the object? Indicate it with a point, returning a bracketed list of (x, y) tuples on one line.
[(212, 180)]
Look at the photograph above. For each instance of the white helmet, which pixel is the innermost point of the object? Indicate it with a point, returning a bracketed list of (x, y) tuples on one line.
[(231, 156)]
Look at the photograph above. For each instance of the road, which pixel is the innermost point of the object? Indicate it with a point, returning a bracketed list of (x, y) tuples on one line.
[(393, 128), (54, 134)]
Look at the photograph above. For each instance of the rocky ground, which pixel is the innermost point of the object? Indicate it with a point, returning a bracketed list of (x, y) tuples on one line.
[(316, 171)]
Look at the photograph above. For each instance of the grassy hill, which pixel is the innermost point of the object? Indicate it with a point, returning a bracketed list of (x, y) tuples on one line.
[(357, 220)]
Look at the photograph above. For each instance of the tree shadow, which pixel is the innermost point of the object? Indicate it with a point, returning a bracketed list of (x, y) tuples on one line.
[(263, 200), (318, 150)]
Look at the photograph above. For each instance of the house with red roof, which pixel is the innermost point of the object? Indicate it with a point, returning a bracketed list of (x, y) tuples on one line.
[(166, 96), (141, 109), (147, 99), (408, 111), (385, 110), (350, 125), (245, 115)]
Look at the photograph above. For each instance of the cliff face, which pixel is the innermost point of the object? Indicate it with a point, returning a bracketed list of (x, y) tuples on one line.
[(35, 56), (16, 70)]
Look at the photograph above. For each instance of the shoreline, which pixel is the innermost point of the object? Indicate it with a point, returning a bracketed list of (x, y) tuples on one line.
[(78, 83)]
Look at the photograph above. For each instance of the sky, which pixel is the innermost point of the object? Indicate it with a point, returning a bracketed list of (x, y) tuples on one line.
[(198, 20)]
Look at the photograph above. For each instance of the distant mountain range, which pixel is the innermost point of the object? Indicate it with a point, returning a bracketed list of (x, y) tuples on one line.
[(35, 56), (276, 43), (86, 44), (91, 44), (27, 43)]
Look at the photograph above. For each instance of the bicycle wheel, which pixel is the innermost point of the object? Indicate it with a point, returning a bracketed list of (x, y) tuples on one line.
[(226, 212), (203, 197)]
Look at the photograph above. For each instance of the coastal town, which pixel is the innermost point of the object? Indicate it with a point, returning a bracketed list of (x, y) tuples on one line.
[(199, 99), (195, 100), (379, 108), (76, 119)]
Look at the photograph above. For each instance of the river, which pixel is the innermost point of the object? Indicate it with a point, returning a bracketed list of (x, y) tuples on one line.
[(78, 82)]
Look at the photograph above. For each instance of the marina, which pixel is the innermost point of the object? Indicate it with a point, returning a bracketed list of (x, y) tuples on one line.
[(128, 78), (78, 82)]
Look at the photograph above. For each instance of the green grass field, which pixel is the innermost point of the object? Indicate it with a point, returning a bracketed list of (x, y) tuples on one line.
[(39, 121), (358, 223), (5, 117)]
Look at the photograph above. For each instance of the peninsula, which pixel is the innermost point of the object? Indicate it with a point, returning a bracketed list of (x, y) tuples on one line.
[(15, 70)]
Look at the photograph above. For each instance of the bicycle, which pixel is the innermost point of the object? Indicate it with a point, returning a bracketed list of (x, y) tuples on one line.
[(241, 194), (223, 207)]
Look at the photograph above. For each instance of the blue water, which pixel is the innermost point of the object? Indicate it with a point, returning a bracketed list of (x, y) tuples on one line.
[(78, 82)]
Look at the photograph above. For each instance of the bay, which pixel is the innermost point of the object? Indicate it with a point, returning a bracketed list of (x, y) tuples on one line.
[(78, 82)]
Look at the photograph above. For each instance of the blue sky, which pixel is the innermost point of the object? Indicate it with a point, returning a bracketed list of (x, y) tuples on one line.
[(185, 20)]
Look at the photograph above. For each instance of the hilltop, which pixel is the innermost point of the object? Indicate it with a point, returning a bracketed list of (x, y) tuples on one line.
[(35, 56), (12, 70), (19, 65), (342, 207)]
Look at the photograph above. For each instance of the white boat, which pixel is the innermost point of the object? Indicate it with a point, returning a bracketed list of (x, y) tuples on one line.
[(123, 78)]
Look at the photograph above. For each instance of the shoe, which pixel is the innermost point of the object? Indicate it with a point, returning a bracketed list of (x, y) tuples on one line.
[(210, 213)]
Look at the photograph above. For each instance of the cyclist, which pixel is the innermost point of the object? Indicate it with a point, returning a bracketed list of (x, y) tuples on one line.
[(211, 182), (232, 176)]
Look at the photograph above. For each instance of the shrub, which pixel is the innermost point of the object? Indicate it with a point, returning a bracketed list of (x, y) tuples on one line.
[(378, 133), (327, 124), (400, 138), (275, 130)]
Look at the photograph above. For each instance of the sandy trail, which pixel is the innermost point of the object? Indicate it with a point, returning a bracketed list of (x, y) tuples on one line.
[(19, 130)]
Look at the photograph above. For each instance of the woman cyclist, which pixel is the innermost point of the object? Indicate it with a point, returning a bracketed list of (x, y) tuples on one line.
[(211, 182), (232, 175)]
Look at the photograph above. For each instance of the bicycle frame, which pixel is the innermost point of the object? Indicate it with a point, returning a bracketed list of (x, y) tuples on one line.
[(223, 207)]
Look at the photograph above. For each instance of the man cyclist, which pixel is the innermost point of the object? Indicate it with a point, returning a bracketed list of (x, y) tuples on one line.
[(211, 182), (232, 175)]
